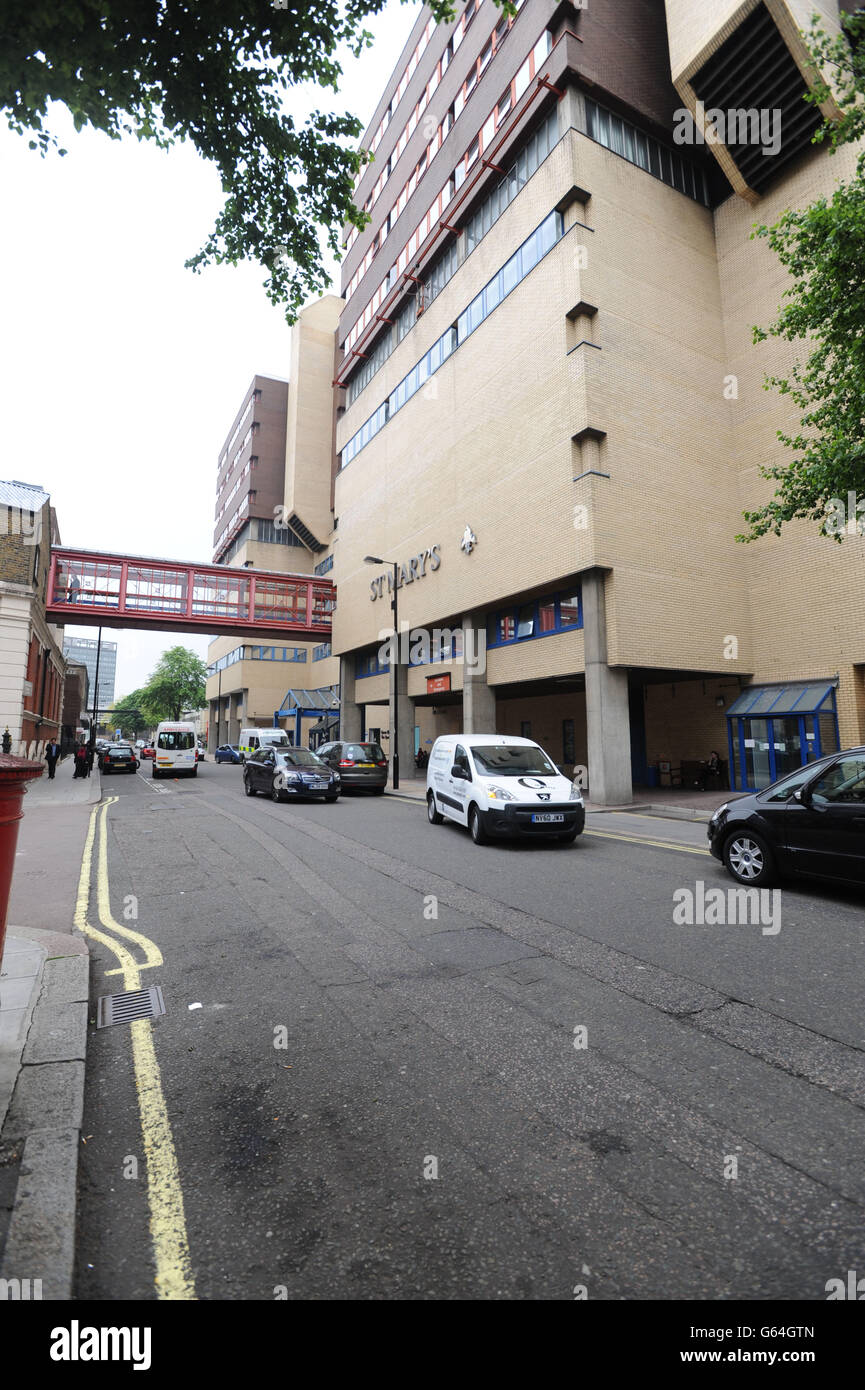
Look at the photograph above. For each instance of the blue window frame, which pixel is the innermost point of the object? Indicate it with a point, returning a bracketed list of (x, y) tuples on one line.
[(370, 664), (558, 612)]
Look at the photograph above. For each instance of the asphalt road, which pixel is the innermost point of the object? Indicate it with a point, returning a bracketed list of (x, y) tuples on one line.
[(381, 1000)]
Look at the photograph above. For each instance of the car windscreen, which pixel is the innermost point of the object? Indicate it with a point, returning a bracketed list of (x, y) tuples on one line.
[(363, 752), (176, 740), (505, 761), (300, 757)]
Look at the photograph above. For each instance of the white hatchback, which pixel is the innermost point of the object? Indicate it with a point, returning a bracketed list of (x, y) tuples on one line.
[(497, 785)]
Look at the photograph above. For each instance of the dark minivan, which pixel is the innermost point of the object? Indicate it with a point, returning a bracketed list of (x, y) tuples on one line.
[(358, 764), (811, 822)]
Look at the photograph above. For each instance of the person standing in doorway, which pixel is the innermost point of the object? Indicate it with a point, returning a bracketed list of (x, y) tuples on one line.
[(52, 753)]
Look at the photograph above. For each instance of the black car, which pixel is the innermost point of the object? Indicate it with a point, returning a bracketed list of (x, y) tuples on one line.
[(358, 764), (810, 822), (118, 756), (286, 774)]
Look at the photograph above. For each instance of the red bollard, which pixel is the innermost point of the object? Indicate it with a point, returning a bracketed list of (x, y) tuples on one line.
[(15, 773)]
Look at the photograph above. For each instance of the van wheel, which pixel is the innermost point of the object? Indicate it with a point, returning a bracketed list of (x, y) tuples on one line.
[(435, 817), (154, 774), (476, 827), (568, 837), (247, 786), (195, 772)]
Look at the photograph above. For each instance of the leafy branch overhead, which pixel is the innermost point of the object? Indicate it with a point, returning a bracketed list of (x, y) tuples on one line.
[(221, 75), (823, 249)]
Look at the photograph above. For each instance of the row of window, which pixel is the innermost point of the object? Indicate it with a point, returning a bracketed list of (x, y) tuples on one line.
[(240, 511), (496, 39), (251, 462), (429, 223), (250, 653), (276, 533), (256, 396), (442, 131), (640, 149), (319, 653), (560, 612), (543, 617), (325, 565), (370, 664), (446, 265), (523, 261)]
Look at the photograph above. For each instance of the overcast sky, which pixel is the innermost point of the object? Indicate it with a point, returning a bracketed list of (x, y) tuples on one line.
[(120, 370)]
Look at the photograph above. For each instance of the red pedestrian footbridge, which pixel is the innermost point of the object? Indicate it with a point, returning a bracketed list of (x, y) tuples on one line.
[(101, 589)]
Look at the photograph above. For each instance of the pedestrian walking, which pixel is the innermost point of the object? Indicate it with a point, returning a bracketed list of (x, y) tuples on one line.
[(81, 767), (52, 753)]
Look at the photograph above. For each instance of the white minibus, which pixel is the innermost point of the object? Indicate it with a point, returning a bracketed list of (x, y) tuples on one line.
[(174, 750)]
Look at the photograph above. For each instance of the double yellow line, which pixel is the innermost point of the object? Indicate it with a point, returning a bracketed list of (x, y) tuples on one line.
[(174, 1278)]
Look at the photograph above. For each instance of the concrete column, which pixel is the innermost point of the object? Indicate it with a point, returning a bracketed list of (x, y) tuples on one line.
[(400, 702), (572, 111), (213, 733), (350, 712), (479, 699), (607, 716)]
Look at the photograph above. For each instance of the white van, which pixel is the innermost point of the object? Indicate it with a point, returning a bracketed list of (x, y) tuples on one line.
[(252, 739), (174, 750), (497, 785)]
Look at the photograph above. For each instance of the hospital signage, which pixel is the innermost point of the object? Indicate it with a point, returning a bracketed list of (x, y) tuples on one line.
[(415, 568)]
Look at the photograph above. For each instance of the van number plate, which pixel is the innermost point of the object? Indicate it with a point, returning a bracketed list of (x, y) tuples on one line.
[(546, 818)]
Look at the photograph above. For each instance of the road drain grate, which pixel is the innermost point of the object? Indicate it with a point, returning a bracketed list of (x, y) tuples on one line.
[(125, 1008)]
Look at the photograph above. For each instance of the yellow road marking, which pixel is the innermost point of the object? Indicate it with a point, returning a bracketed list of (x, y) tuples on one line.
[(613, 834), (174, 1278), (642, 840)]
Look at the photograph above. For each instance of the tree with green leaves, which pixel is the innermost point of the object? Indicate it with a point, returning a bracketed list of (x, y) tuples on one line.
[(823, 248), (132, 714), (219, 74), (177, 684)]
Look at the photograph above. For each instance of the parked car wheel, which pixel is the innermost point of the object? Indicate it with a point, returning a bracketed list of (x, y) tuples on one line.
[(749, 859), (332, 798), (435, 817), (275, 793), (476, 827), (247, 786)]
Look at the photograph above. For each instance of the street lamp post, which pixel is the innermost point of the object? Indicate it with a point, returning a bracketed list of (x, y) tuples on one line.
[(374, 560), (94, 730)]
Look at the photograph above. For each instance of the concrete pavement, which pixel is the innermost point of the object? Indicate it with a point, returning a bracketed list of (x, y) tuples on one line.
[(44, 987)]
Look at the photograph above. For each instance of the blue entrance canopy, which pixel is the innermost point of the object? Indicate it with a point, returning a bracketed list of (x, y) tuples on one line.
[(309, 701), (303, 703), (778, 700)]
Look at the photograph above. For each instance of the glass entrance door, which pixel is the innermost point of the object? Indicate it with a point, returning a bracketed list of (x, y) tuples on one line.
[(757, 760)]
